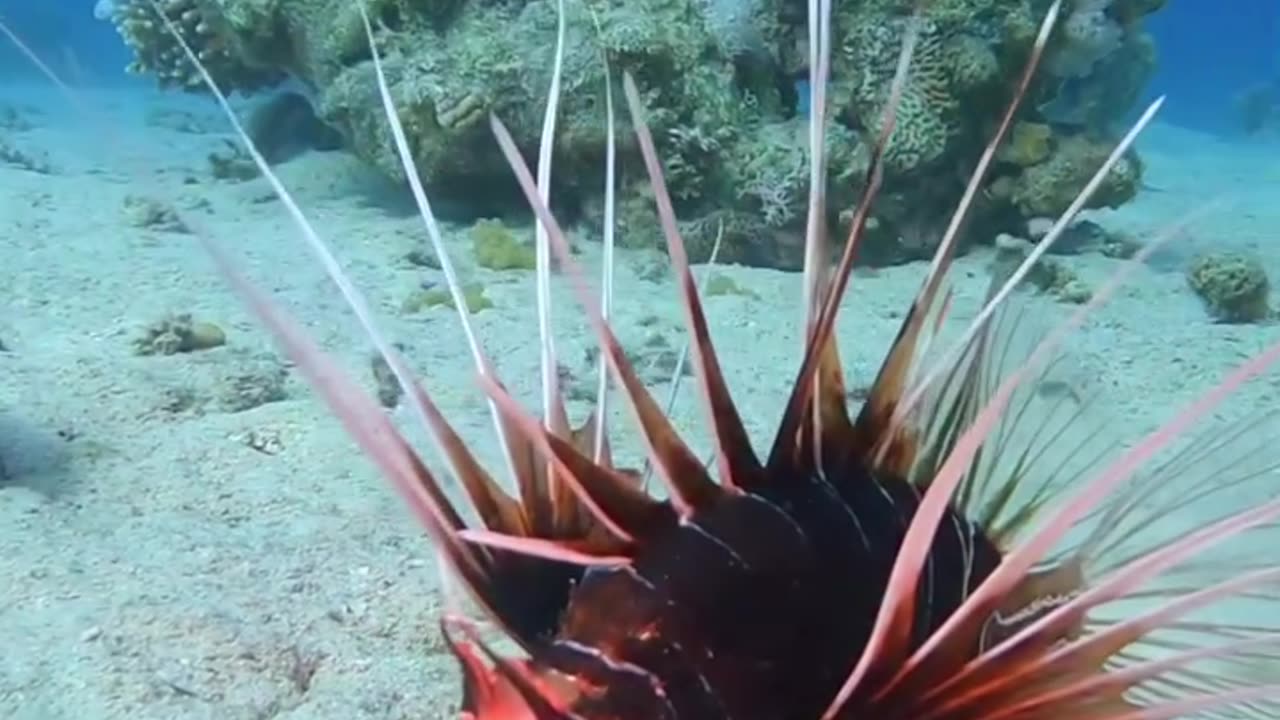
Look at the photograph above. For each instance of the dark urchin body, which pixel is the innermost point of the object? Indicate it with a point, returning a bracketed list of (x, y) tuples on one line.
[(759, 606)]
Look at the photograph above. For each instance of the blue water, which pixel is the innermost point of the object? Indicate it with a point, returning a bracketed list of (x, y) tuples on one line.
[(68, 37), (1207, 54)]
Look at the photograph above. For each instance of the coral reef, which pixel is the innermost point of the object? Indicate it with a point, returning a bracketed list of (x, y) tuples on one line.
[(1048, 187), (1233, 286), (1099, 64), (219, 33), (721, 81)]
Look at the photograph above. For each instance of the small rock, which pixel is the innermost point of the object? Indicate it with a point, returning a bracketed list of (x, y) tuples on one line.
[(179, 334), (1038, 227), (1074, 291), (252, 389), (1079, 237), (153, 215), (389, 390)]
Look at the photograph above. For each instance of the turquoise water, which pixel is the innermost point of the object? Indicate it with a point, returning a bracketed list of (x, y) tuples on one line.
[(186, 531)]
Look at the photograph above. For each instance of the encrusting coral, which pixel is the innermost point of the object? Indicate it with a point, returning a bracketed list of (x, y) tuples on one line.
[(724, 84)]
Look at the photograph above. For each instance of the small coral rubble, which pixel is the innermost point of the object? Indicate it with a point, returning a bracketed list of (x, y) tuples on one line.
[(178, 333)]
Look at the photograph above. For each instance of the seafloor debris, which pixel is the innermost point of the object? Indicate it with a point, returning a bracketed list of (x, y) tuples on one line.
[(152, 214), (1049, 275), (1085, 236), (179, 334), (388, 387), (182, 121), (231, 382), (16, 118), (718, 284), (233, 163), (13, 156), (253, 387)]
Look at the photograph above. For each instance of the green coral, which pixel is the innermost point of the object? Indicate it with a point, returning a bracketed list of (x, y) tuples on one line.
[(1029, 143), (719, 284), (496, 248), (1234, 286), (473, 295)]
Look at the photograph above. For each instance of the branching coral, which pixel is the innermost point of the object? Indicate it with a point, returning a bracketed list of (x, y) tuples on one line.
[(690, 152), (775, 177)]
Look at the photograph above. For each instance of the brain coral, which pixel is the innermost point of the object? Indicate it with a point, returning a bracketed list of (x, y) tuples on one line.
[(1233, 286), (951, 64)]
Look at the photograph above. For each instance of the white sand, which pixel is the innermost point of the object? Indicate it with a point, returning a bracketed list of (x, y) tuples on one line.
[(154, 565)]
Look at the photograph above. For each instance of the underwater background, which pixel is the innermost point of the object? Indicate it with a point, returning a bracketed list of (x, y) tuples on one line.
[(1209, 51), (185, 532)]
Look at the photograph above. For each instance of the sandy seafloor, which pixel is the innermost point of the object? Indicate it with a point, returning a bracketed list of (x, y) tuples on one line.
[(161, 557)]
